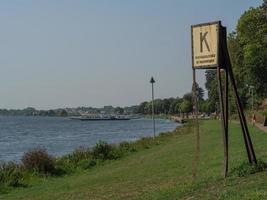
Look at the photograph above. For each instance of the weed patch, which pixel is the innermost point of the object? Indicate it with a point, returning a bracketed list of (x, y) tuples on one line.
[(246, 168)]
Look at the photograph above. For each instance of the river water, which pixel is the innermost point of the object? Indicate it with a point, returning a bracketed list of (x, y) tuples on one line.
[(62, 135)]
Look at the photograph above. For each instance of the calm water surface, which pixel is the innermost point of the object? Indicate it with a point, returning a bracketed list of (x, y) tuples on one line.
[(62, 135)]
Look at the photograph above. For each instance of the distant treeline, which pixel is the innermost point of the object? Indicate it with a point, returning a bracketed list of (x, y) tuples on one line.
[(68, 111), (179, 105), (162, 106), (33, 112)]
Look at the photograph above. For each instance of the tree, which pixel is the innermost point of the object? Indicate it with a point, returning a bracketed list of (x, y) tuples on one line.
[(206, 107), (264, 5), (252, 38), (186, 106), (175, 106), (188, 97), (212, 88), (248, 53), (166, 105), (51, 113), (200, 93), (119, 110), (63, 113), (141, 108)]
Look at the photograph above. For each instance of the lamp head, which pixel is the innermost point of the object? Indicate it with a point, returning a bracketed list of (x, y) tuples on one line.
[(152, 80)]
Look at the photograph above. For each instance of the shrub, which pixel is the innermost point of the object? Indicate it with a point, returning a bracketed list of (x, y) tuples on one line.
[(103, 150), (39, 160), (264, 113), (127, 147), (246, 168), (69, 163), (79, 154), (11, 175), (64, 166), (87, 164), (146, 142)]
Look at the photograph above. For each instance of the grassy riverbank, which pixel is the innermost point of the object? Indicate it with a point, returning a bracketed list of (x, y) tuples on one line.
[(161, 171)]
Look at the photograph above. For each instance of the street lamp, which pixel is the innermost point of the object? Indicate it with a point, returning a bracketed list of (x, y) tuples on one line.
[(152, 81)]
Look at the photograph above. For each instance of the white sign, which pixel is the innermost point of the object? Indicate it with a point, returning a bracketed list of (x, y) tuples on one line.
[(205, 42)]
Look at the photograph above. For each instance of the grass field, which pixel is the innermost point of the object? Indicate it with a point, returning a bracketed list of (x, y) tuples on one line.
[(163, 171)]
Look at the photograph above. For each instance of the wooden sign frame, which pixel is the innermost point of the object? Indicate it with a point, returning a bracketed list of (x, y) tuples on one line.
[(223, 66), (204, 25)]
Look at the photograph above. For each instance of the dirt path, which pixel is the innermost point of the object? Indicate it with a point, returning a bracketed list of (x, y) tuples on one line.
[(260, 126)]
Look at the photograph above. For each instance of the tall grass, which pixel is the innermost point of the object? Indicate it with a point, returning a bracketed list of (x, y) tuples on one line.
[(11, 175)]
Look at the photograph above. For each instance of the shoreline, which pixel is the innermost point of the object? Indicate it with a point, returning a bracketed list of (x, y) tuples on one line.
[(34, 162), (58, 155)]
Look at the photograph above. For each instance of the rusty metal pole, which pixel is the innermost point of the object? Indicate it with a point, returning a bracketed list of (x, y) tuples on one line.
[(223, 122), (196, 161), (249, 146), (226, 111), (248, 143)]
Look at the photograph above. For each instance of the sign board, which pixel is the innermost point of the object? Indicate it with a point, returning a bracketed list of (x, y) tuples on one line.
[(205, 45)]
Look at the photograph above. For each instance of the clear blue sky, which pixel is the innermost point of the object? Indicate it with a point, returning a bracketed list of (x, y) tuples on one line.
[(101, 52)]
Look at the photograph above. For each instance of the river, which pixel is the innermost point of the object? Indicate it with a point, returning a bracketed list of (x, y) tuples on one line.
[(62, 135)]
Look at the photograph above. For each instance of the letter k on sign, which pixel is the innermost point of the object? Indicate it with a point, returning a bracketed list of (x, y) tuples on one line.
[(203, 38)]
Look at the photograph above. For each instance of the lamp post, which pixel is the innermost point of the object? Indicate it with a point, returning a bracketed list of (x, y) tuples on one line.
[(152, 81)]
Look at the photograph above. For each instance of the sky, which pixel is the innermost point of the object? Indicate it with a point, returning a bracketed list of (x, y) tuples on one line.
[(65, 53)]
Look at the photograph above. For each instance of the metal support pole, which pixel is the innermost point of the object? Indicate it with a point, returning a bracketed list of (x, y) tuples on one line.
[(226, 111), (152, 81), (248, 142), (223, 121), (226, 108), (196, 125)]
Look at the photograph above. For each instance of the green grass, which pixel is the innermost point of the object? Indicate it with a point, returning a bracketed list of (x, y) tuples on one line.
[(163, 171)]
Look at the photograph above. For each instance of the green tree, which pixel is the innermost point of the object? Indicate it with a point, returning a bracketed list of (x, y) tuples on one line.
[(119, 110), (212, 88), (186, 106), (141, 108), (252, 38), (188, 97), (63, 113), (199, 91)]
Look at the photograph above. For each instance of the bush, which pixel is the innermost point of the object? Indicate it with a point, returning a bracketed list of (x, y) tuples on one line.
[(146, 143), (246, 168), (39, 160), (264, 113), (87, 164), (81, 153), (63, 166), (127, 147), (11, 175), (78, 159), (103, 150)]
